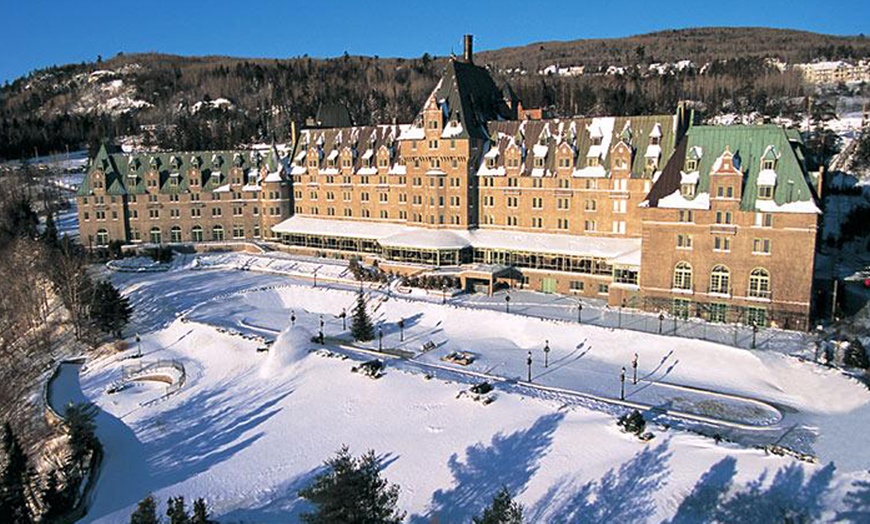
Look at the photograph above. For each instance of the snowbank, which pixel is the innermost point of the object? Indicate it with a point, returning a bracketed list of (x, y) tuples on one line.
[(290, 347)]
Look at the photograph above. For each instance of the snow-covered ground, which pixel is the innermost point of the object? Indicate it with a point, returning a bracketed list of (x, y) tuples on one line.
[(249, 428)]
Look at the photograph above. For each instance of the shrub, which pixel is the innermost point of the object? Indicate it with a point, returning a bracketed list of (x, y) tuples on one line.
[(632, 422)]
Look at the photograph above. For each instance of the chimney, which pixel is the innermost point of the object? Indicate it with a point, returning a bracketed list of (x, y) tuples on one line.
[(468, 49)]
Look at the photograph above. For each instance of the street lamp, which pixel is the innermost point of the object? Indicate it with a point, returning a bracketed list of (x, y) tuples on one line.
[(321, 322), (661, 319), (443, 293), (529, 364), (343, 318), (138, 346), (579, 312), (315, 278), (634, 367), (754, 333), (547, 354), (380, 339), (401, 324), (507, 303), (622, 384), (292, 318)]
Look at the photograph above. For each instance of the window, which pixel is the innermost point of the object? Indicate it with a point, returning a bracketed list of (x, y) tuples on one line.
[(152, 213), (761, 246), (175, 234), (537, 182), (768, 164), (619, 206), (687, 190), (155, 235), (624, 275), (513, 182), (691, 165), (562, 223), (718, 312), (216, 212), (723, 217), (680, 308), (591, 184), (592, 161), (763, 220), (765, 192), (683, 276), (686, 215), (512, 201), (590, 226), (565, 183), (511, 221), (684, 241), (603, 289), (721, 243), (195, 212), (577, 285), (217, 233), (756, 316), (539, 161), (196, 233), (759, 283), (537, 203), (537, 222), (102, 237), (563, 203), (720, 280), (238, 231), (590, 205)]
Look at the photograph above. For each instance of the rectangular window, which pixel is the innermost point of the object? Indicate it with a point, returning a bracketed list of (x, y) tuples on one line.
[(603, 289), (577, 285), (761, 246), (686, 215), (722, 243), (763, 220), (684, 241)]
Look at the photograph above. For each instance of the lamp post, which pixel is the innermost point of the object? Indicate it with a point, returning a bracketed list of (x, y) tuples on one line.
[(343, 319), (315, 278), (529, 364), (661, 320), (507, 303), (547, 354), (634, 367), (292, 318), (138, 346), (380, 339), (622, 384), (579, 312), (443, 294), (754, 333), (401, 329)]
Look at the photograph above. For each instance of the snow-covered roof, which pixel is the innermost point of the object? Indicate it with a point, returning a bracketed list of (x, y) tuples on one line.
[(676, 200), (451, 129), (368, 154), (427, 239), (339, 228), (275, 176), (539, 150), (590, 172), (690, 178), (601, 247), (223, 189), (333, 154), (770, 206), (767, 177), (653, 151)]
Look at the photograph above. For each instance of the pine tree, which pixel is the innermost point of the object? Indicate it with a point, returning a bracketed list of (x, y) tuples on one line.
[(200, 512), (176, 511), (361, 328), (502, 510), (49, 234), (81, 429), (55, 501), (146, 512), (14, 480), (351, 490), (109, 311)]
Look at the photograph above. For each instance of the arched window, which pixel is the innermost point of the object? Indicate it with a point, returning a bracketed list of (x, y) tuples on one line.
[(102, 238), (175, 234), (759, 283), (217, 233), (155, 235), (683, 276), (720, 280), (196, 233)]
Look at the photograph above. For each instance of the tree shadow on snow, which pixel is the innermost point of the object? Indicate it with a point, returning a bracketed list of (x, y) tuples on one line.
[(283, 504), (789, 497), (623, 495), (510, 461), (857, 502)]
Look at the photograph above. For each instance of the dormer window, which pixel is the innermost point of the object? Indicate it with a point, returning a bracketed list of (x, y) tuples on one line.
[(765, 192), (433, 124), (592, 161), (768, 164), (173, 180), (687, 190), (565, 161), (539, 161), (654, 140), (651, 165), (252, 179), (691, 165), (490, 162), (596, 140)]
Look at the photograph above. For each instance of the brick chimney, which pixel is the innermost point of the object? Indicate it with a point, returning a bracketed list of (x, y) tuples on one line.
[(469, 52)]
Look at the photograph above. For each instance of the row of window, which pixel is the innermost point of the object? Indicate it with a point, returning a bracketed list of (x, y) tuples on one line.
[(720, 280), (723, 243), (197, 234)]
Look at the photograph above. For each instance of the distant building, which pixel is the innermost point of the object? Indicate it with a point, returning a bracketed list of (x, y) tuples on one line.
[(835, 72), (642, 211)]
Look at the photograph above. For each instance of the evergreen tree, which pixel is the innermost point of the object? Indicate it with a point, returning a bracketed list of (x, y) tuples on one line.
[(109, 311), (146, 512), (14, 480), (49, 234), (176, 511), (55, 501), (361, 328), (81, 429), (502, 510), (200, 512), (352, 491)]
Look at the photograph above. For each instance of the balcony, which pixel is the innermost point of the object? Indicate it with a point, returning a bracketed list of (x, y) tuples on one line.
[(759, 295), (723, 229), (720, 291)]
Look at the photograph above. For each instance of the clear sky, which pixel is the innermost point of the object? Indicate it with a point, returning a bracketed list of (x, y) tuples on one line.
[(41, 33)]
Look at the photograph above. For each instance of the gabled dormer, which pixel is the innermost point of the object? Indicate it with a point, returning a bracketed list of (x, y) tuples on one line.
[(133, 165), (217, 161), (238, 160), (565, 156), (693, 159), (433, 116)]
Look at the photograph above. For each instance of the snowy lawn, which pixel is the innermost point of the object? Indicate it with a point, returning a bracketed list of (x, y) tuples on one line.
[(248, 429)]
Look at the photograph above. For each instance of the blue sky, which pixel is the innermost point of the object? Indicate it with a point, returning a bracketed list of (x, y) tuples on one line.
[(41, 33)]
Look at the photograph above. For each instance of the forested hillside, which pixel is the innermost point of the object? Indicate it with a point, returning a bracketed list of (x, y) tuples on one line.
[(220, 102)]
